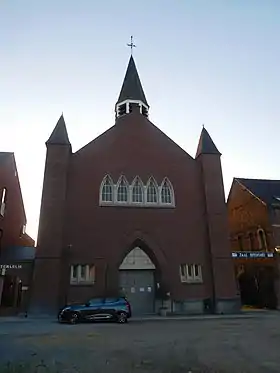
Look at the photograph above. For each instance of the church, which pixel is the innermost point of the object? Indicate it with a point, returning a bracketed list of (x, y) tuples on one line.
[(133, 214)]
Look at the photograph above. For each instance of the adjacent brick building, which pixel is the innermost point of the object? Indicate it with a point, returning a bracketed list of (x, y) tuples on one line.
[(254, 219), (132, 212), (13, 237)]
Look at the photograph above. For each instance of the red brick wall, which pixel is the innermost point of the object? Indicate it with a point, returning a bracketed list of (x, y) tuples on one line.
[(97, 234), (246, 214), (175, 236), (14, 217), (48, 267), (218, 229)]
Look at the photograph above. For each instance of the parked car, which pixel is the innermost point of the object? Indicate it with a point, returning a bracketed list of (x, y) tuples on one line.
[(97, 309)]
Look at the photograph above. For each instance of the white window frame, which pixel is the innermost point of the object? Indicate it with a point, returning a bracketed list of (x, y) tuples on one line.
[(79, 280), (151, 180), (187, 273), (130, 202), (138, 179), (122, 178), (101, 202), (167, 181)]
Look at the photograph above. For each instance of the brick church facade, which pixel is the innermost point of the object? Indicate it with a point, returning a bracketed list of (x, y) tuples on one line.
[(133, 213)]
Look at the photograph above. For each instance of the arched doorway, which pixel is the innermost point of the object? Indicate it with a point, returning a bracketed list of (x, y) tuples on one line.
[(11, 293), (256, 284), (137, 281)]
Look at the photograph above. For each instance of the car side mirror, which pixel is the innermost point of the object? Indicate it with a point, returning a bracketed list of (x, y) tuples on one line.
[(87, 304)]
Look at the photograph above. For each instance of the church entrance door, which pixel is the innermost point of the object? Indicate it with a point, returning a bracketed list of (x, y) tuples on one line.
[(137, 282)]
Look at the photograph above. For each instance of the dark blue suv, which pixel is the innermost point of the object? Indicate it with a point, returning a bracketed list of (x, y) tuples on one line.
[(97, 309)]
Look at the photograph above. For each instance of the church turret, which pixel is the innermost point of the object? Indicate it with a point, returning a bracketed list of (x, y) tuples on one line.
[(59, 135), (46, 283), (206, 144), (224, 289), (132, 95)]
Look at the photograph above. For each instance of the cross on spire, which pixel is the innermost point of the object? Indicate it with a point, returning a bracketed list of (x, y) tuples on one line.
[(131, 45)]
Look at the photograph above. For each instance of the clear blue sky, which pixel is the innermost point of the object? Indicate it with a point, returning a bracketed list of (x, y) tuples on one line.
[(212, 62)]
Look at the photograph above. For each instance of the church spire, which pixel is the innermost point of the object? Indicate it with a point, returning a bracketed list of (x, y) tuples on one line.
[(132, 95), (206, 144), (59, 135)]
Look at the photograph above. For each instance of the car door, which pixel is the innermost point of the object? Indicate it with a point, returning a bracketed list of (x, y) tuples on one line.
[(93, 309), (110, 308)]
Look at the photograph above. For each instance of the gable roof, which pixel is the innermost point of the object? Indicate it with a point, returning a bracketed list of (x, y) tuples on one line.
[(4, 156), (265, 190), (131, 121), (206, 144), (59, 135), (132, 87)]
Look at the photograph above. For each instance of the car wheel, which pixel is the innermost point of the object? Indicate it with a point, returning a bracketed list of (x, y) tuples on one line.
[(60, 319), (122, 318), (74, 318)]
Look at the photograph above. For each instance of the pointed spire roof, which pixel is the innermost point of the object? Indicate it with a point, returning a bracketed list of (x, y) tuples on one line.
[(59, 135), (132, 88), (206, 144)]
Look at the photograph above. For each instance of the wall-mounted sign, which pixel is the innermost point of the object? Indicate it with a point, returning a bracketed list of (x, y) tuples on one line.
[(142, 290), (252, 254)]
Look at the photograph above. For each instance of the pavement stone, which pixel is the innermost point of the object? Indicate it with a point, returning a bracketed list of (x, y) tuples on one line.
[(218, 344)]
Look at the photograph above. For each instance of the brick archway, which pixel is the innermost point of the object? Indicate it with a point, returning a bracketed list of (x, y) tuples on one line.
[(139, 282), (145, 243)]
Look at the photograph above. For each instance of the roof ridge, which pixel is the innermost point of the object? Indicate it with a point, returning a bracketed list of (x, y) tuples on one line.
[(253, 179)]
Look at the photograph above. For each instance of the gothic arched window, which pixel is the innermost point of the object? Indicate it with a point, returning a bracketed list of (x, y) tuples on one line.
[(252, 241), (152, 191), (107, 189), (137, 191), (166, 192), (262, 240), (122, 190)]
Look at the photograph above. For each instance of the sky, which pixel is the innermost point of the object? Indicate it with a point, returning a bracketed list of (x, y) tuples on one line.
[(200, 62)]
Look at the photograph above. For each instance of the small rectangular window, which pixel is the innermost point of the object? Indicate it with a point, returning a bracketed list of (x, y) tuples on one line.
[(190, 273), (183, 272), (75, 271), (91, 273), (82, 274), (196, 270)]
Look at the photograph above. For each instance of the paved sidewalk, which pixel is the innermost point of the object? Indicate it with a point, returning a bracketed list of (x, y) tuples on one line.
[(242, 315)]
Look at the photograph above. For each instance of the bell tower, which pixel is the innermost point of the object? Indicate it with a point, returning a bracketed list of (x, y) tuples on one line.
[(132, 96)]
